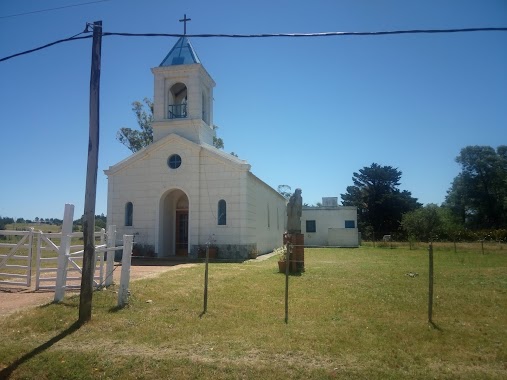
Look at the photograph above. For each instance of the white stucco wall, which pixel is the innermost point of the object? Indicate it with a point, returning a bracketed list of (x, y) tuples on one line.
[(143, 181), (265, 215), (220, 180), (330, 226), (206, 176), (343, 237)]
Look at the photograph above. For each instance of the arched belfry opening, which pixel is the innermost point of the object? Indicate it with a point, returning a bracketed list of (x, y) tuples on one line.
[(177, 104), (174, 221)]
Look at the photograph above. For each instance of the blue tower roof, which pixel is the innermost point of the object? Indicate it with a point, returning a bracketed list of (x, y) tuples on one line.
[(182, 53)]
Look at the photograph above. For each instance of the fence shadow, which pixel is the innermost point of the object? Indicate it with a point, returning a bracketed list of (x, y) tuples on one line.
[(435, 326), (7, 372)]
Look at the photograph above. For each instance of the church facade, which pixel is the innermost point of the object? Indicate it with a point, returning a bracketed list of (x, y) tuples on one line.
[(180, 192)]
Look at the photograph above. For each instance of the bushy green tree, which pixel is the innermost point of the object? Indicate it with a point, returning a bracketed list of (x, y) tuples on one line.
[(137, 139), (478, 194), (425, 223), (379, 201)]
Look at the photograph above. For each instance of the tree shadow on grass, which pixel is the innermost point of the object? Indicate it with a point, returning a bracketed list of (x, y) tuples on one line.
[(7, 372)]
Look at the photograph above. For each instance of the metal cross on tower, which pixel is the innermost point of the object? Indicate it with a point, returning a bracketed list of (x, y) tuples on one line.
[(184, 21)]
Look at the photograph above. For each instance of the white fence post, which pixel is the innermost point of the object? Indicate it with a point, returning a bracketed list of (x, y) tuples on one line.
[(63, 252), (111, 242), (30, 253), (125, 270)]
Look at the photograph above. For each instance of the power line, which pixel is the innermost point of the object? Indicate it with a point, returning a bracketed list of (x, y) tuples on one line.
[(325, 34), (53, 9), (45, 46), (292, 35)]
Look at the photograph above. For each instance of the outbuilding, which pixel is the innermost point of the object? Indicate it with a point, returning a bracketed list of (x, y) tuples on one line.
[(330, 225)]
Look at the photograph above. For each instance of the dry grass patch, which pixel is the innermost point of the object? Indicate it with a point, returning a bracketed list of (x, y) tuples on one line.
[(354, 313)]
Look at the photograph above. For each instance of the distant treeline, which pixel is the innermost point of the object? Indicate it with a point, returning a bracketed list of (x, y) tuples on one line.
[(100, 221)]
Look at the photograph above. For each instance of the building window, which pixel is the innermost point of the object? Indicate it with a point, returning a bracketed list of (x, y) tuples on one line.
[(311, 226), (174, 161), (129, 213), (350, 224), (222, 213)]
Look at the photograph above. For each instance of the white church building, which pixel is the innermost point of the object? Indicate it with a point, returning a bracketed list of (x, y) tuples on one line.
[(180, 192)]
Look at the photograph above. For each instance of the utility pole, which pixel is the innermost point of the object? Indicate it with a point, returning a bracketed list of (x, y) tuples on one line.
[(85, 300)]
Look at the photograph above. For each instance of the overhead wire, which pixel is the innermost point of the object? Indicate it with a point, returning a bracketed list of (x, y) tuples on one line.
[(73, 38), (267, 35), (323, 34), (53, 9)]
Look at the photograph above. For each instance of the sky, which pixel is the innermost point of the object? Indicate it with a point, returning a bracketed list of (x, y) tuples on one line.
[(304, 112)]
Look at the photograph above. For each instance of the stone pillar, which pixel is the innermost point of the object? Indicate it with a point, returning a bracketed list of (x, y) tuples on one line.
[(297, 256)]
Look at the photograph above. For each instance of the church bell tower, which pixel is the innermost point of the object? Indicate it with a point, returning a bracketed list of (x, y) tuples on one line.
[(183, 96)]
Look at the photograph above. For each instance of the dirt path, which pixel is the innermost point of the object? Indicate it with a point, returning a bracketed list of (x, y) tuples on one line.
[(14, 299)]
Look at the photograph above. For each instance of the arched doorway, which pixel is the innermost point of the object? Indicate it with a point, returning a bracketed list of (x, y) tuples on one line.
[(173, 235)]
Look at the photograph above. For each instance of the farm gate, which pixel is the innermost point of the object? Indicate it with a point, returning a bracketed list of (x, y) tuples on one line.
[(17, 261), (16, 257)]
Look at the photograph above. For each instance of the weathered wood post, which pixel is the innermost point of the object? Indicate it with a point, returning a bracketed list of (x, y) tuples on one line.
[(63, 252), (85, 300), (123, 291), (205, 308), (111, 242), (287, 265), (430, 290)]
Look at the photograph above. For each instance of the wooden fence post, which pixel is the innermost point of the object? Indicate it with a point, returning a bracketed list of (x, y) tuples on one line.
[(63, 252), (287, 264), (111, 242), (125, 270), (430, 290), (205, 307)]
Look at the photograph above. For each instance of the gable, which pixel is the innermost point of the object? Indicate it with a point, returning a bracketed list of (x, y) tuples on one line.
[(170, 144)]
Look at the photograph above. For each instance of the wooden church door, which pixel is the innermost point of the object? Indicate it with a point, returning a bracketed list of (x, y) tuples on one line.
[(181, 233)]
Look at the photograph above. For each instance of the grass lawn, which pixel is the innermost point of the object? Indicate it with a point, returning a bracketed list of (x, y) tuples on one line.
[(354, 314)]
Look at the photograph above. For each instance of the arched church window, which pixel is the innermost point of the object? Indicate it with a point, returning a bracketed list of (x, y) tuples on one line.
[(129, 213), (222, 213)]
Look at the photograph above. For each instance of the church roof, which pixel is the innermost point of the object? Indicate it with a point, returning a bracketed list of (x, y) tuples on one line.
[(182, 53)]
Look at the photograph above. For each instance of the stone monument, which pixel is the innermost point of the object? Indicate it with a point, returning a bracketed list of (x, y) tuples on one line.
[(294, 208), (293, 238)]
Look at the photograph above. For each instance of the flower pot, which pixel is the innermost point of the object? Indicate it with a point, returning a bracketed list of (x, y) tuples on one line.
[(281, 266)]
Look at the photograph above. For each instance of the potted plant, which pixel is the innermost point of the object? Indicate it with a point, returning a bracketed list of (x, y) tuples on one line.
[(253, 253)]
